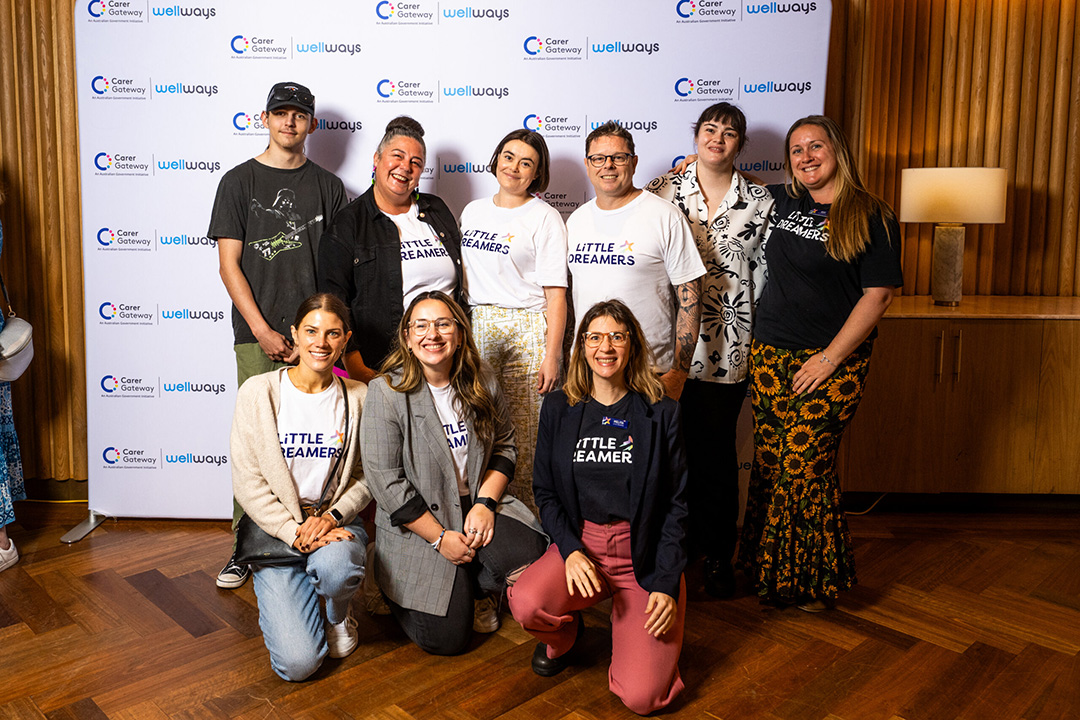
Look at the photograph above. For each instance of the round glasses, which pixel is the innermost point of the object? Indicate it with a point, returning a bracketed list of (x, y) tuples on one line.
[(443, 325), (593, 339), (618, 159)]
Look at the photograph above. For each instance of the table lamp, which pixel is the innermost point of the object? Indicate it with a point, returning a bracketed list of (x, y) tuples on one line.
[(951, 197)]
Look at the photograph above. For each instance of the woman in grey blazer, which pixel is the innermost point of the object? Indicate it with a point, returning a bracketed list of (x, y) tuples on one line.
[(438, 451)]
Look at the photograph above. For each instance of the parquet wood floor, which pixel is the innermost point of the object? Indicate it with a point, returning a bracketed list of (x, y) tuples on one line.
[(972, 616)]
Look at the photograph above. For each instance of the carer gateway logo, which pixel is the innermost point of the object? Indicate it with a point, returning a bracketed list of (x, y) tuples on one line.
[(695, 11), (553, 126), (248, 123), (115, 11), (120, 164), (553, 48), (259, 47), (114, 239), (111, 87), (120, 313), (704, 89), (130, 458), (405, 91), (405, 13), (125, 386)]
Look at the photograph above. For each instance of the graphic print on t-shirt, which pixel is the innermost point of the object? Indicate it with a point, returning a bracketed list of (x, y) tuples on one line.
[(610, 450), (482, 240), (812, 226), (311, 444), (457, 434), (280, 216), (603, 253)]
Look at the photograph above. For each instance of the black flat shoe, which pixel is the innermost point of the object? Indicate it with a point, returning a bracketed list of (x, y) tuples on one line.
[(719, 578), (544, 666)]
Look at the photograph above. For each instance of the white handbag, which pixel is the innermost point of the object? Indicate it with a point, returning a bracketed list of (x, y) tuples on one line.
[(16, 343)]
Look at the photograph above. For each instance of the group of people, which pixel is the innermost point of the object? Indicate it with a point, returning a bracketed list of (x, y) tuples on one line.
[(499, 470)]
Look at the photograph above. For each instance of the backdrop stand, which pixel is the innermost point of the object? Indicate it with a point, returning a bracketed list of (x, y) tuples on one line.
[(83, 529)]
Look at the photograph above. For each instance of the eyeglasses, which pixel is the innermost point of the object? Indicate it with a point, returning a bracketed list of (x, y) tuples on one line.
[(618, 159), (443, 325), (290, 93), (593, 339)]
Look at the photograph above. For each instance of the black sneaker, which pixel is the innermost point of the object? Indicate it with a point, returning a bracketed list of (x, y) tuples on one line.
[(233, 575), (719, 578)]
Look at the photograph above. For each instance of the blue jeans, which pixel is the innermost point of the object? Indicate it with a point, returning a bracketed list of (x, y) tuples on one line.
[(288, 595)]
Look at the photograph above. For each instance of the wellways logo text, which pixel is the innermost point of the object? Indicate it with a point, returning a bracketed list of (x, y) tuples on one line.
[(693, 11), (552, 125), (120, 164), (258, 48), (187, 386), (771, 8), (552, 48), (108, 87), (126, 386), (404, 91), (185, 165), (190, 315), (703, 90), (189, 458), (183, 88), (183, 241), (115, 11), (475, 13), (634, 126), (607, 48), (321, 47), (404, 13), (773, 86), (474, 92), (462, 168), (111, 239), (168, 12), (349, 126)]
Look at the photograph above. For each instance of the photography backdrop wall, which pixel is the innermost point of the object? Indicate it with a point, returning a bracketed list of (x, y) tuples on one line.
[(170, 96)]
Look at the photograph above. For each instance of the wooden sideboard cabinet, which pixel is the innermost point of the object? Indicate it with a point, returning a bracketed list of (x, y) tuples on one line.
[(984, 397)]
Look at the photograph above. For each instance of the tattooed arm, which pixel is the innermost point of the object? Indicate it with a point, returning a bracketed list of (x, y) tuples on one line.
[(687, 324)]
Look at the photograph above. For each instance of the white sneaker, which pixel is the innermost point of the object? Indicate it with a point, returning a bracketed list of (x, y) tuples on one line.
[(342, 637), (485, 615), (10, 556)]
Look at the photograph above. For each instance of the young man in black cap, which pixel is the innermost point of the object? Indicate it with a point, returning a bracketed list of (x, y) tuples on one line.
[(267, 219)]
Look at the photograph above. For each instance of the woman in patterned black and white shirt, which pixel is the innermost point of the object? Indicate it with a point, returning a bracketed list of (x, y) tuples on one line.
[(729, 215)]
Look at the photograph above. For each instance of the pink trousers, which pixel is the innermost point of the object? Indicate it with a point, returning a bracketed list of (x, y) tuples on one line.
[(644, 670)]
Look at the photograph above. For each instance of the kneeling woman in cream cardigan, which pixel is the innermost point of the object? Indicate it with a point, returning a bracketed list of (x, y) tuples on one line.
[(294, 433)]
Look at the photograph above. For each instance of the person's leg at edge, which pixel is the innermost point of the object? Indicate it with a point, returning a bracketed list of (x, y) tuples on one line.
[(290, 620), (441, 635), (644, 670), (542, 605)]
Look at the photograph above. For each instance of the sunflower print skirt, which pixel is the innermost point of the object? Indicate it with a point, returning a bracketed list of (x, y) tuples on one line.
[(795, 540)]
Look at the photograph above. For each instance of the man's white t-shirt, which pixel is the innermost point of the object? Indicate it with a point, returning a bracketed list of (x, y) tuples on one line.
[(511, 254), (636, 253), (455, 429), (425, 263), (311, 430)]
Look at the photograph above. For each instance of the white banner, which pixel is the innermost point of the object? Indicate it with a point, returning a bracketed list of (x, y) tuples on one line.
[(170, 97)]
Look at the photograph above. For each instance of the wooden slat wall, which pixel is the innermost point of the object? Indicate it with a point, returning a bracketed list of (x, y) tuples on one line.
[(42, 258), (935, 83), (916, 83)]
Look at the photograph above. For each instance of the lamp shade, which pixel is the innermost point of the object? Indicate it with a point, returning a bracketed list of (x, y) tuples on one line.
[(953, 195)]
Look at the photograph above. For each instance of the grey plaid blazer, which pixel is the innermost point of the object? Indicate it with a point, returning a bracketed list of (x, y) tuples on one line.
[(405, 454)]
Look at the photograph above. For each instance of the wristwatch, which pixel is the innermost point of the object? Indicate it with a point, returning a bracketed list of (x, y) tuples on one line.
[(488, 503), (338, 519)]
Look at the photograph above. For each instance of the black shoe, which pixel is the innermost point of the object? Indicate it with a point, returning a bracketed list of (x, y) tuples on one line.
[(544, 666), (719, 578), (233, 575)]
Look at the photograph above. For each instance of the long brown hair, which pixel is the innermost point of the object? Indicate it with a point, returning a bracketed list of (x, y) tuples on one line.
[(852, 206), (638, 372), (467, 374)]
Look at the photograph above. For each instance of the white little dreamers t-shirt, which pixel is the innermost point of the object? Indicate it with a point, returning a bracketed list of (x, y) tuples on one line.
[(311, 430), (425, 263), (456, 431)]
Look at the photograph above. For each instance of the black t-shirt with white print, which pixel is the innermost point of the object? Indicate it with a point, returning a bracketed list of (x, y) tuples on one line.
[(602, 461)]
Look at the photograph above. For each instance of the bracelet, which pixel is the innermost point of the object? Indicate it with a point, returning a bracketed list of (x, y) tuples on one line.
[(825, 359), (487, 502), (438, 541)]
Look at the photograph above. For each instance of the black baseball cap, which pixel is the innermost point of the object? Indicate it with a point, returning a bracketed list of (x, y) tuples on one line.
[(290, 94)]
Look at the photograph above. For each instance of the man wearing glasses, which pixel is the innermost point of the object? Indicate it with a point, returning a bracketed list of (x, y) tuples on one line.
[(633, 246), (267, 218)]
